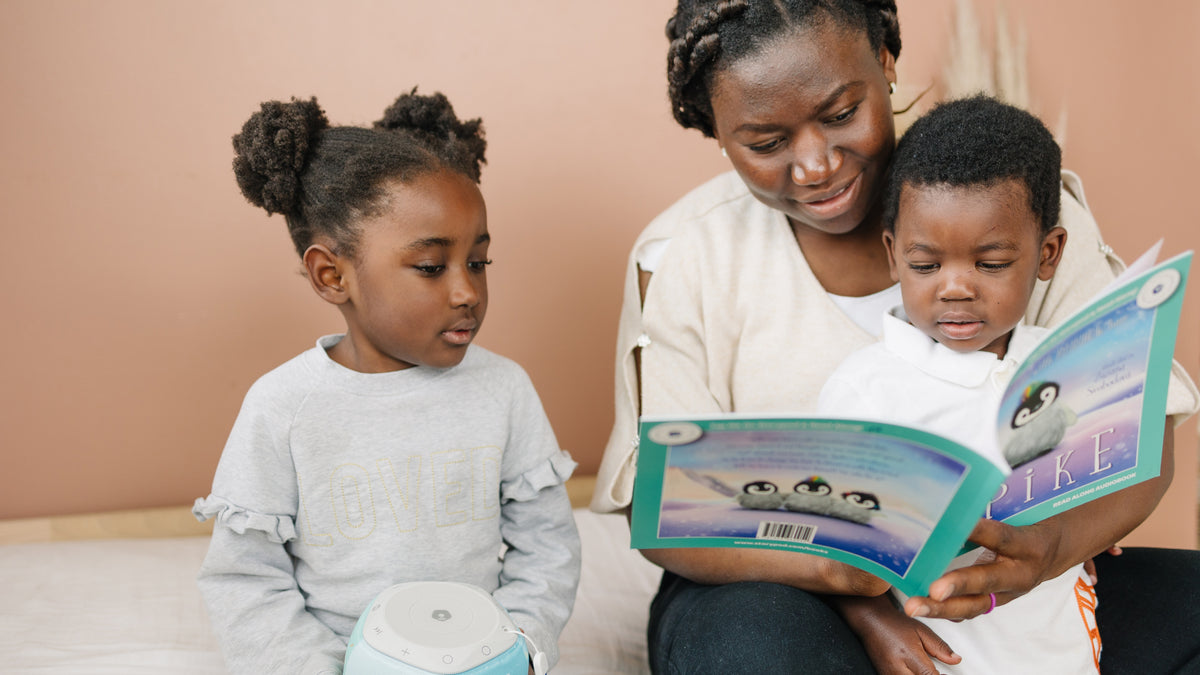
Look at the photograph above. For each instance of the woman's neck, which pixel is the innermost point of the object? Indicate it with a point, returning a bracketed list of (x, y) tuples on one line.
[(853, 264)]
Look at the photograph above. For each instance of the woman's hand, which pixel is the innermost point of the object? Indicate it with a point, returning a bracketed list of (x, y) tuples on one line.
[(1017, 560), (894, 642)]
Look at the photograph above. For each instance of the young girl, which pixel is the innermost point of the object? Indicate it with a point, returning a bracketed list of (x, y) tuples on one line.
[(396, 451)]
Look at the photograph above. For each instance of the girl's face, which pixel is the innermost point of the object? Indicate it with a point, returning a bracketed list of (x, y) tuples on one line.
[(807, 123), (417, 288), (967, 259)]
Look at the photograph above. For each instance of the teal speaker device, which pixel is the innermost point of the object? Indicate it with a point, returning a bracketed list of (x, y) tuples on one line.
[(438, 628)]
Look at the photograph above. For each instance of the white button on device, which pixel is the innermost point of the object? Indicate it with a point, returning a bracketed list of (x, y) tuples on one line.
[(440, 627)]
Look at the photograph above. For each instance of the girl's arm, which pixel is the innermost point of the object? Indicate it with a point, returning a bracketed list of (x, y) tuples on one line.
[(257, 611), (541, 566), (540, 571)]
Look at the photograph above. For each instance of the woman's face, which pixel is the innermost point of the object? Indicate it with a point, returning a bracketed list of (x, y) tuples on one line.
[(807, 123)]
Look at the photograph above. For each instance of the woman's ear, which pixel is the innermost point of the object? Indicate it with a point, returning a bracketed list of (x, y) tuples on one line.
[(325, 273), (1052, 250), (888, 61)]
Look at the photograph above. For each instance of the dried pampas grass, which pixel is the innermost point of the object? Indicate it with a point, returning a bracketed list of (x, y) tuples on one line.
[(999, 70)]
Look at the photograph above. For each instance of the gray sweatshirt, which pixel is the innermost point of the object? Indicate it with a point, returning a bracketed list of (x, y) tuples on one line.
[(336, 484)]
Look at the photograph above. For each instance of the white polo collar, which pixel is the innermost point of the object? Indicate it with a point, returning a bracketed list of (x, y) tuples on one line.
[(968, 369)]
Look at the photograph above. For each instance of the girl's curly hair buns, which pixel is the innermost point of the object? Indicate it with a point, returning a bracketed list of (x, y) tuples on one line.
[(324, 179)]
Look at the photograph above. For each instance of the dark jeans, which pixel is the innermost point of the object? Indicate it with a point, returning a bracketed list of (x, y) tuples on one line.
[(747, 627), (1149, 618), (1149, 611)]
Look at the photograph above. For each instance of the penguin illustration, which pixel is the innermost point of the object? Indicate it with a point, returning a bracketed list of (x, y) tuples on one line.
[(856, 507), (760, 494), (811, 495), (1039, 423)]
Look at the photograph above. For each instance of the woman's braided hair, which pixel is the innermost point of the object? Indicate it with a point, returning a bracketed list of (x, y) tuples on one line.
[(324, 179), (708, 35)]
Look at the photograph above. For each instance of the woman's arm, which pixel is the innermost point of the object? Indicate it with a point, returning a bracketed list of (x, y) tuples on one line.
[(1031, 554)]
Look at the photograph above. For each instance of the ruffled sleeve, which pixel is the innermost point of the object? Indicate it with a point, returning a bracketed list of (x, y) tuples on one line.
[(555, 470), (279, 529)]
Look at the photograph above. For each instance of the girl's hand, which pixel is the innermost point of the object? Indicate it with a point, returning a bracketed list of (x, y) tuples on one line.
[(1020, 559), (895, 643)]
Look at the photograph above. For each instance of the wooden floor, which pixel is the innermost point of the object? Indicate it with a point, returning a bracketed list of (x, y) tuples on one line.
[(169, 521)]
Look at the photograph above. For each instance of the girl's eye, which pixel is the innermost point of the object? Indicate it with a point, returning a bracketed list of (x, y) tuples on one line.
[(430, 270), (479, 265), (922, 268)]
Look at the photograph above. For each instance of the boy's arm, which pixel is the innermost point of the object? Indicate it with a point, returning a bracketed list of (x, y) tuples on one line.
[(1031, 554), (895, 643)]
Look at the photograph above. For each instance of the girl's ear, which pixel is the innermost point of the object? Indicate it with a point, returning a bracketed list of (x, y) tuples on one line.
[(324, 269), (1052, 250), (889, 242)]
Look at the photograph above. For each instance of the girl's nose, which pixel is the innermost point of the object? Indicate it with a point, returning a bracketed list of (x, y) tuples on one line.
[(464, 291)]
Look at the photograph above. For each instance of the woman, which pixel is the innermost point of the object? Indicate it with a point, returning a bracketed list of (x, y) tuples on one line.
[(763, 280)]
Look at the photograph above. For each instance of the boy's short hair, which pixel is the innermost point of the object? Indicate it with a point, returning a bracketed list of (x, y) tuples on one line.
[(978, 142)]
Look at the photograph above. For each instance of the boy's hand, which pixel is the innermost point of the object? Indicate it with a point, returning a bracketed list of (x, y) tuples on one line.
[(895, 643)]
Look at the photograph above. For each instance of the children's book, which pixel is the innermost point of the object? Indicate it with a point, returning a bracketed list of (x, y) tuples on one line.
[(1081, 418)]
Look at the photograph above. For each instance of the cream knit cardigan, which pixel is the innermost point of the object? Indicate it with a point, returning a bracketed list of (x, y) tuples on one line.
[(734, 319)]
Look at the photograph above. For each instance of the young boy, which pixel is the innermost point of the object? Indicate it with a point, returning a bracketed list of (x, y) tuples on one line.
[(970, 226)]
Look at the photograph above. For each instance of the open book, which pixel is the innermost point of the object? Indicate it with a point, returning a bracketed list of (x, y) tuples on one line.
[(1081, 418)]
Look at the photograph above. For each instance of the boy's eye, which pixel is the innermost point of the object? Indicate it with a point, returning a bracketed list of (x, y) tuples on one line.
[(479, 265), (994, 266), (922, 268)]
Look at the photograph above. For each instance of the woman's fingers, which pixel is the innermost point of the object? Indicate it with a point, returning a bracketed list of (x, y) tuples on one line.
[(1015, 564)]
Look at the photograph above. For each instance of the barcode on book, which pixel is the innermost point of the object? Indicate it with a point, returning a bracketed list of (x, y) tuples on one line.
[(786, 531)]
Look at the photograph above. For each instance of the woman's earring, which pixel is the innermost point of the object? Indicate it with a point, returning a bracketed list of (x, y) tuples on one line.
[(723, 153), (891, 87)]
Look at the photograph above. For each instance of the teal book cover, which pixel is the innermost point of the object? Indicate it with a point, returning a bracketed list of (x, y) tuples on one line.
[(894, 501), (1081, 418), (1097, 388)]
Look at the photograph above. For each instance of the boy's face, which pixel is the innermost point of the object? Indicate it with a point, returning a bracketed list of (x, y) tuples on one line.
[(417, 289), (967, 259)]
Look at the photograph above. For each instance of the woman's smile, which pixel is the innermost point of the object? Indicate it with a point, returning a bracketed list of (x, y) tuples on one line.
[(832, 203)]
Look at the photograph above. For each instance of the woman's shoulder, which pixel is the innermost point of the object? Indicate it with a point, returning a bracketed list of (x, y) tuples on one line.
[(714, 201)]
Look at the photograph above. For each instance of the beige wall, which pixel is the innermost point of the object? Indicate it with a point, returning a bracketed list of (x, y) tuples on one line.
[(144, 295)]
